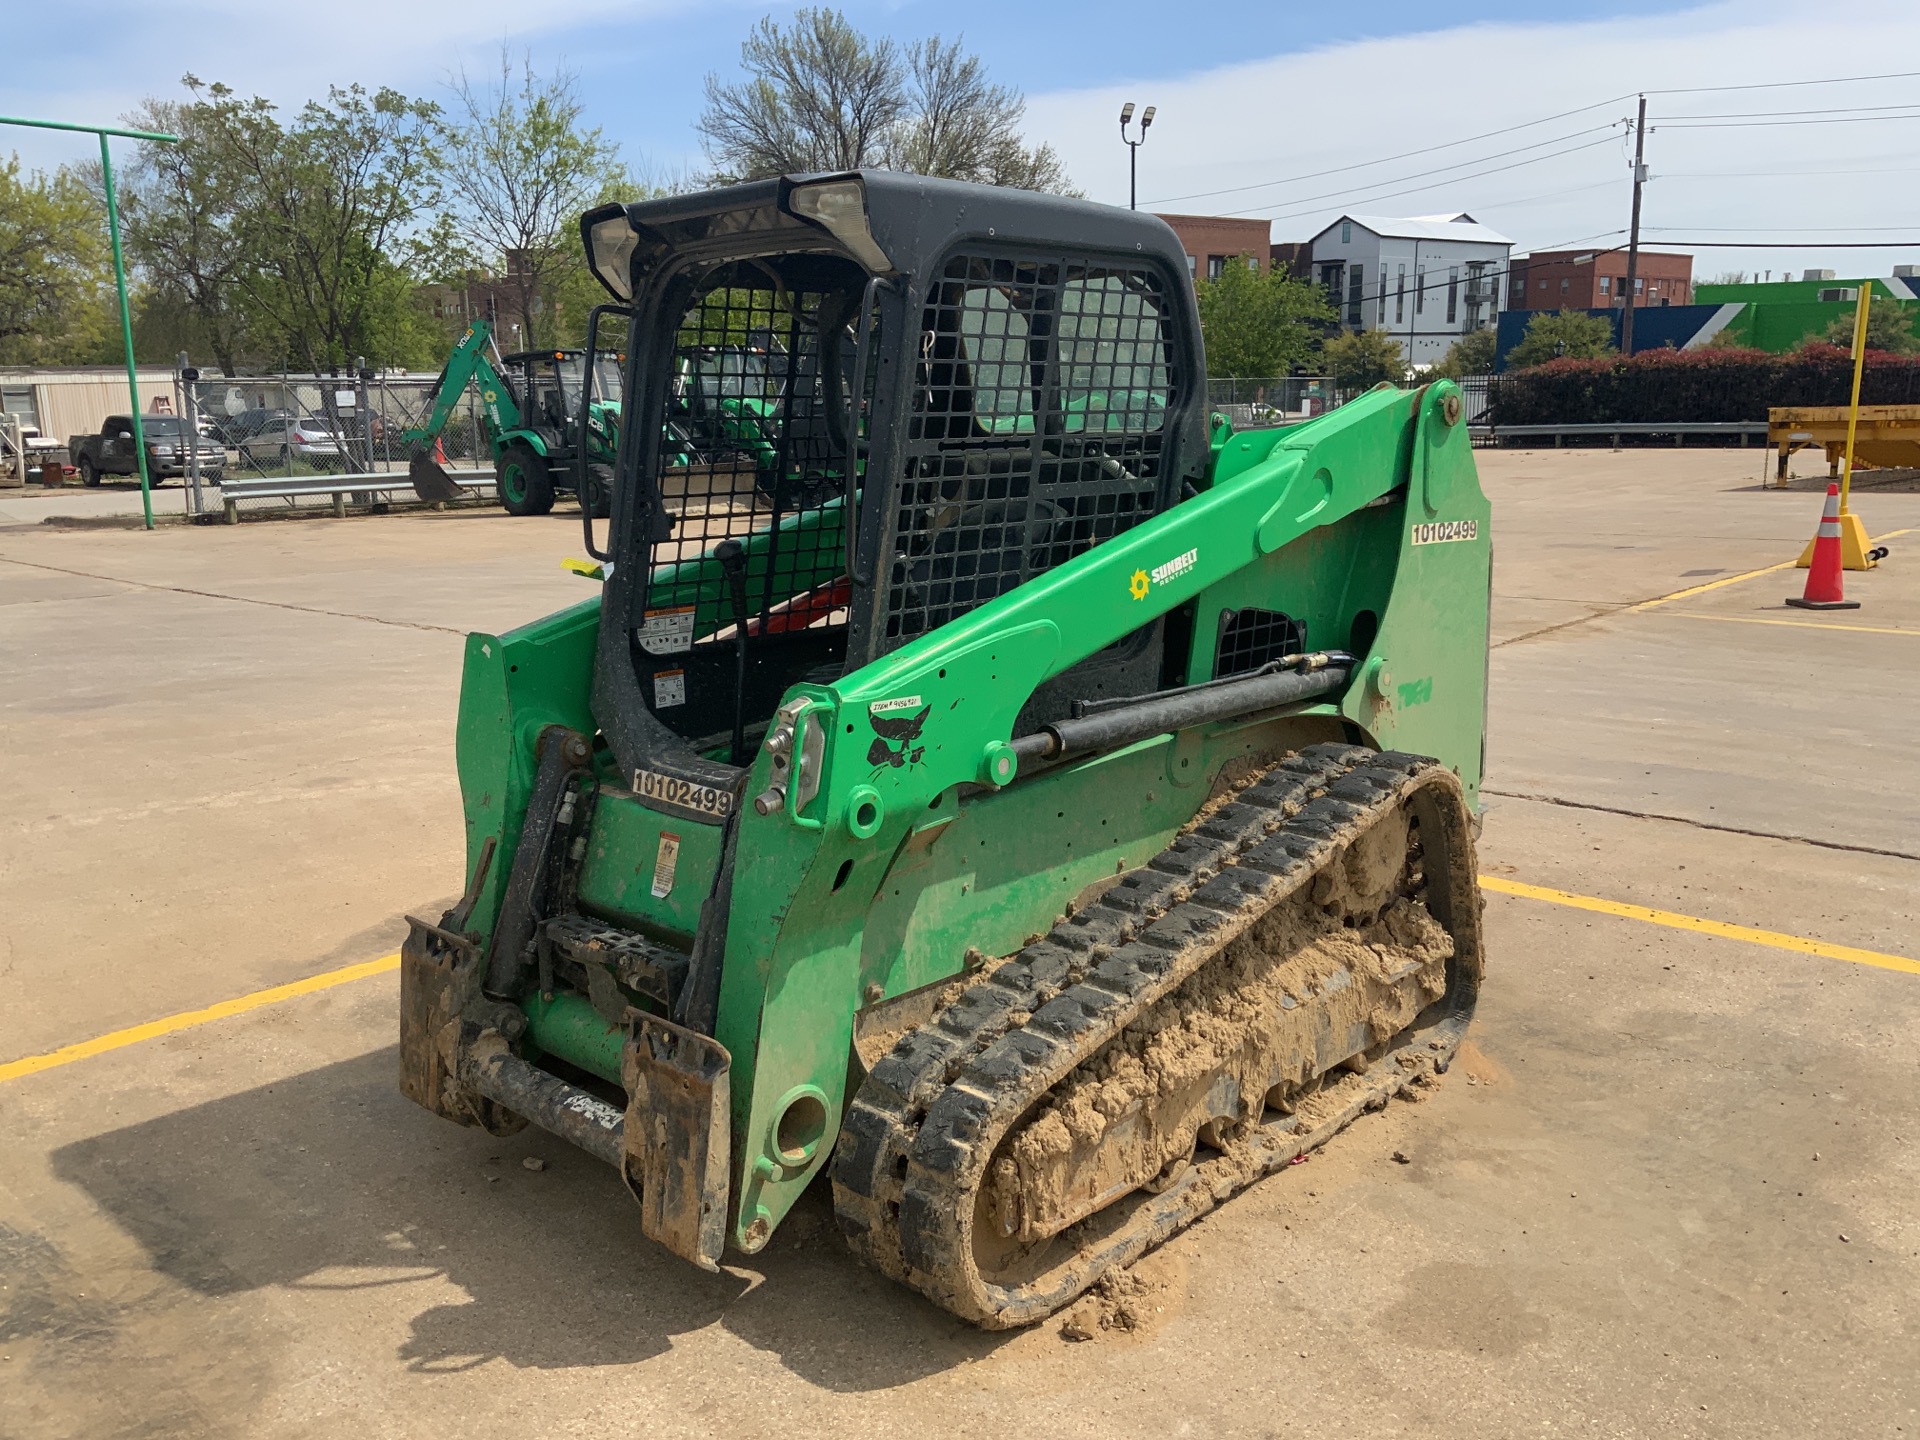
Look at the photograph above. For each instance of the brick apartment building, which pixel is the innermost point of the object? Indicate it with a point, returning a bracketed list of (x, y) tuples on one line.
[(1597, 280), (1212, 240)]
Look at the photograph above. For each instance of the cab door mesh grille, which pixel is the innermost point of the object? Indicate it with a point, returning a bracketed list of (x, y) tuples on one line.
[(1037, 429)]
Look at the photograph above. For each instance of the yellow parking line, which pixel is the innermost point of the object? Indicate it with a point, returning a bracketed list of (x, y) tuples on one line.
[(1796, 624), (1692, 590), (187, 1019), (346, 974), (1719, 928)]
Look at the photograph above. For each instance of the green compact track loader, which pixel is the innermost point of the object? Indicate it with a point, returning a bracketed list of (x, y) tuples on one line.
[(995, 787)]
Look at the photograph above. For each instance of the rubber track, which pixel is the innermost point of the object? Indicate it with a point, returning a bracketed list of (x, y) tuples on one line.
[(909, 1158)]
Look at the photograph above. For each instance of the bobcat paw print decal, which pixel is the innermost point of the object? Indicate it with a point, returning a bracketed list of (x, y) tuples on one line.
[(895, 732)]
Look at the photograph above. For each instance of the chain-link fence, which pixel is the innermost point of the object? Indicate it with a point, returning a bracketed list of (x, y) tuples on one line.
[(313, 426)]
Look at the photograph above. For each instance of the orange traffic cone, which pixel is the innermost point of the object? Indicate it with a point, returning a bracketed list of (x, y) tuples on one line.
[(439, 454), (1823, 575)]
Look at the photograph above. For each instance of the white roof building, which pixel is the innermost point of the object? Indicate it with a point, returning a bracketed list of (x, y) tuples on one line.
[(1425, 279)]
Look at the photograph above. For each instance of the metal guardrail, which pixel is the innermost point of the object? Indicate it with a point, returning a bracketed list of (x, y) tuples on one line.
[(1678, 429), (339, 487)]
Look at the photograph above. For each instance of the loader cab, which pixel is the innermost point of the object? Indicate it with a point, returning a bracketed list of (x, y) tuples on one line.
[(870, 403)]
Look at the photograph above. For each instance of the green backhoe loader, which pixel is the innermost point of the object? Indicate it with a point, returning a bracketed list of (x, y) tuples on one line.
[(534, 408), (992, 787)]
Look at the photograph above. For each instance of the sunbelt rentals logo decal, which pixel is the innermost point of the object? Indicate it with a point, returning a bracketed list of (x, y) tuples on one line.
[(1145, 580)]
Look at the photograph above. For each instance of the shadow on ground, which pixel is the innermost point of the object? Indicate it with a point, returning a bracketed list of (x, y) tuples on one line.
[(330, 1180)]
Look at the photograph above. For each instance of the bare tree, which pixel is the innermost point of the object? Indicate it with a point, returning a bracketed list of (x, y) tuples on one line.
[(960, 125), (519, 169), (818, 95)]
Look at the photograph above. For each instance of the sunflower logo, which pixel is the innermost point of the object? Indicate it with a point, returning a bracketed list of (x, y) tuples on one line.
[(1139, 584)]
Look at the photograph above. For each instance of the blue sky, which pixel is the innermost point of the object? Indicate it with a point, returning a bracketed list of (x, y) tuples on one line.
[(1263, 94)]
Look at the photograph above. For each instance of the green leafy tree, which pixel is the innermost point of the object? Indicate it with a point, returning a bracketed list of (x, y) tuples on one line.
[(1259, 322), (298, 243), (1471, 354), (183, 211), (1569, 333), (1362, 359), (56, 279), (520, 168), (1889, 327), (819, 95)]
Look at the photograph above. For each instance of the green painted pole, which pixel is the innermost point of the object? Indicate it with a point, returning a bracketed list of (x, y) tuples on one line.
[(119, 274), (126, 334)]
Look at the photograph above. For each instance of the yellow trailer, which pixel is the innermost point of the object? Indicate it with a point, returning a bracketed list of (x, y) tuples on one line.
[(1888, 436)]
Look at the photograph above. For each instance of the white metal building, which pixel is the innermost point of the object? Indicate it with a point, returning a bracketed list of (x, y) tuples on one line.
[(1426, 280), (61, 401)]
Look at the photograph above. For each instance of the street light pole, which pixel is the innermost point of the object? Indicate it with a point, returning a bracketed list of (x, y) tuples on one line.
[(119, 278), (1133, 150)]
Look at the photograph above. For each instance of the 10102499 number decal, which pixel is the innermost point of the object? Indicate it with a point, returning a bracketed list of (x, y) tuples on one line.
[(1439, 532), (683, 797)]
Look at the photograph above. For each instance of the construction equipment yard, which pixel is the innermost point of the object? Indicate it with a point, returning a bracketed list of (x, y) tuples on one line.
[(1669, 1186)]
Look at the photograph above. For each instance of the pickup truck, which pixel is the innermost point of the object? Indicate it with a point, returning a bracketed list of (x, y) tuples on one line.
[(111, 451)]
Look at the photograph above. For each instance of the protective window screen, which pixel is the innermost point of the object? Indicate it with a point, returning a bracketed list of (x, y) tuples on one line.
[(1037, 429), (747, 587), (754, 446)]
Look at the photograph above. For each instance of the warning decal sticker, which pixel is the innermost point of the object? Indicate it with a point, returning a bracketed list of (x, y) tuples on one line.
[(665, 860), (667, 632)]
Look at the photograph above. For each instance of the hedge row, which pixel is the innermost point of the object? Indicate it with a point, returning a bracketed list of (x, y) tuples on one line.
[(1695, 385)]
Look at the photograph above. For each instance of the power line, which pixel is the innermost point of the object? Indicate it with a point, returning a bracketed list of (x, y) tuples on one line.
[(1403, 155), (1749, 229), (1773, 114), (1772, 174), (1795, 244), (1763, 124), (1305, 207), (1788, 84), (1525, 125), (1307, 201)]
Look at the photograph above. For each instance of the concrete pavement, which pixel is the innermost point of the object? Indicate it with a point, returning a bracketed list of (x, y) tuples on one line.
[(227, 759)]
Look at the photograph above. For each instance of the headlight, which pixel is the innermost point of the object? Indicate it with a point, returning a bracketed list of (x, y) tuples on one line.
[(610, 239), (839, 207)]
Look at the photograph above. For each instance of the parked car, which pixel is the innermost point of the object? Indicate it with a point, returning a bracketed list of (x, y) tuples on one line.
[(169, 447), (231, 430), (290, 438)]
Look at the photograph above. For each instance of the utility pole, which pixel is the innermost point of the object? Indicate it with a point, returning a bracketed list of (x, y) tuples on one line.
[(1633, 233)]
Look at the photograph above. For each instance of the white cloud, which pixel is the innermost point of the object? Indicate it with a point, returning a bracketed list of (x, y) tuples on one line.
[(1357, 101)]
